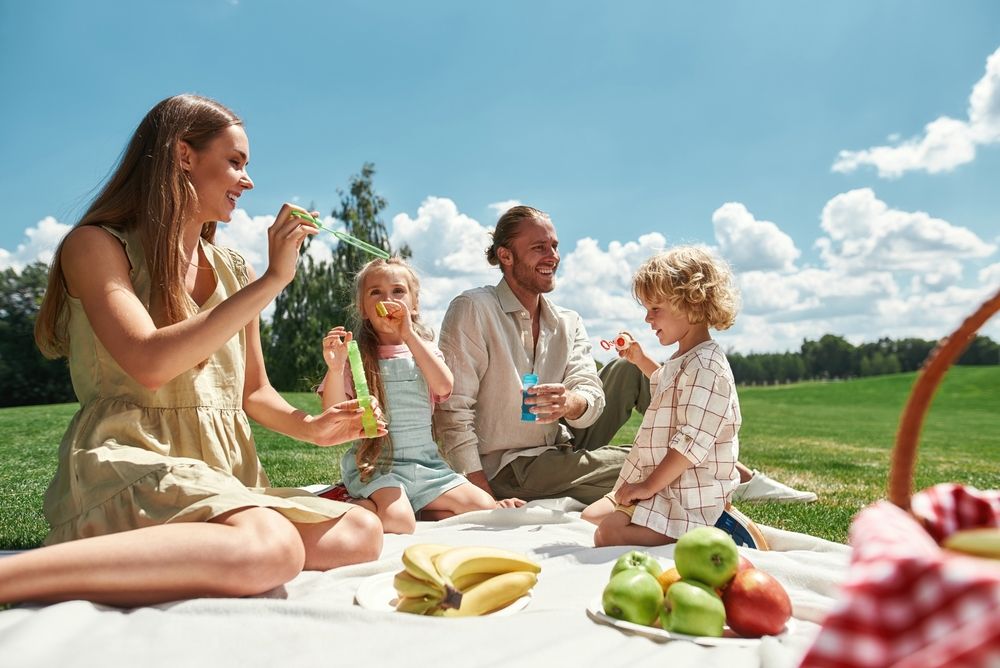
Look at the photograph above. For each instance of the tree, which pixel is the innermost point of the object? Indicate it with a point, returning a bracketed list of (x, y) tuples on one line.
[(320, 295), (912, 353), (831, 357), (982, 350), (26, 377)]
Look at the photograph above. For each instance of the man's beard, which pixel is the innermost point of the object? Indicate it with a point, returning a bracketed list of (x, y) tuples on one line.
[(528, 279)]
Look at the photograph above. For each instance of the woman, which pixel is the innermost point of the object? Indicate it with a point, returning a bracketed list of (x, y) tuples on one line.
[(159, 494)]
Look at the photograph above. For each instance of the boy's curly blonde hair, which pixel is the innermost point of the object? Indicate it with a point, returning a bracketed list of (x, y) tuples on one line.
[(693, 281)]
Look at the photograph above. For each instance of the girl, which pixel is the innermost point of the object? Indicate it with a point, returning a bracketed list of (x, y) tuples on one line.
[(159, 494), (681, 470), (402, 473)]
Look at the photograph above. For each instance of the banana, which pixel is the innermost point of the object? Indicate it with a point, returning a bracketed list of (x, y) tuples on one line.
[(412, 587), (418, 605), (983, 542), (461, 561), (418, 561), (464, 582), (493, 594)]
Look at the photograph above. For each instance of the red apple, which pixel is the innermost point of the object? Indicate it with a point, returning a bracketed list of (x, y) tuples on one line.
[(743, 565), (756, 604)]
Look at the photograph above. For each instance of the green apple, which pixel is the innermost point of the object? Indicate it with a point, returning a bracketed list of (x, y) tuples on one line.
[(633, 595), (708, 555), (637, 559), (693, 608)]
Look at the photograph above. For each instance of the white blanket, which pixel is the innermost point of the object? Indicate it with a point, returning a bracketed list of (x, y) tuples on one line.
[(314, 621)]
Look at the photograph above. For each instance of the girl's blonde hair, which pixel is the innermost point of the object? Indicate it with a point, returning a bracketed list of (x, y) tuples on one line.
[(375, 454), (151, 193), (691, 280)]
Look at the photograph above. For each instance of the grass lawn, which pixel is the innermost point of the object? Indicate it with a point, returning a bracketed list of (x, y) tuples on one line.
[(831, 438)]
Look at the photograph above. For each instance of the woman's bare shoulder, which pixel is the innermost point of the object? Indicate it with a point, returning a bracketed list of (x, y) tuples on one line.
[(90, 251), (89, 239)]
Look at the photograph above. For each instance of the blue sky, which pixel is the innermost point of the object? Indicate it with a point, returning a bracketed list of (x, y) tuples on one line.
[(844, 157)]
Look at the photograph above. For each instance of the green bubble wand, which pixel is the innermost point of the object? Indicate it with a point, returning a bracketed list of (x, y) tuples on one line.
[(361, 389), (344, 236)]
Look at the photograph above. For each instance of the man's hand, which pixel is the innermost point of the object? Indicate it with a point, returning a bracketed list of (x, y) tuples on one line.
[(551, 402)]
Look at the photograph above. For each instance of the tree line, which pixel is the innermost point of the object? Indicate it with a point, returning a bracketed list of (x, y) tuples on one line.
[(320, 297), (833, 357)]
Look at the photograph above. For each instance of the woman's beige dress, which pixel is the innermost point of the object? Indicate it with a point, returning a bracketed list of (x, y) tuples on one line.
[(134, 457)]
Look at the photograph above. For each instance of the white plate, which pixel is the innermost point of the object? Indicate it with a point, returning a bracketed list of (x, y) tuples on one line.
[(729, 639), (378, 593)]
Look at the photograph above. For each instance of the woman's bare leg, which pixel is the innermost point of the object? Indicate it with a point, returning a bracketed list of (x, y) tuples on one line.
[(244, 552), (352, 538)]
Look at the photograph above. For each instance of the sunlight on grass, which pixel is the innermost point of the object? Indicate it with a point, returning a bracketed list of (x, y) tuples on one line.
[(831, 438)]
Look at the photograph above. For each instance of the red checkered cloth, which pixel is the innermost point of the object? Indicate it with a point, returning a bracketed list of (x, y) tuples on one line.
[(908, 603), (337, 492)]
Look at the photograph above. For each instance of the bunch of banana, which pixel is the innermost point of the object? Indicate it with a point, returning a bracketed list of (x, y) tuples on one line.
[(981, 542), (461, 581)]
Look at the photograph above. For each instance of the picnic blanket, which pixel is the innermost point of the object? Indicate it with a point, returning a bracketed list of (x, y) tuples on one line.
[(314, 620)]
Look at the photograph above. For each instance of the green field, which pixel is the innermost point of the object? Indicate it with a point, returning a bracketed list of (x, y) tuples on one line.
[(832, 438)]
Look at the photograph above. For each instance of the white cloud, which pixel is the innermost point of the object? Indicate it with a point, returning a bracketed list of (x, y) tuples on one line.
[(40, 245), (946, 142), (248, 235), (750, 244), (864, 233), (883, 272), (990, 275), (597, 284), (442, 239), (500, 208)]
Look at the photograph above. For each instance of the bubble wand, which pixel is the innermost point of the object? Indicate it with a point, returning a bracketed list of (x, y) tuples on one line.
[(361, 389), (343, 236), (621, 342)]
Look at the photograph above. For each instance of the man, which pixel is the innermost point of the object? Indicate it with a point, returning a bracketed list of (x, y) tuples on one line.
[(627, 388), (491, 337)]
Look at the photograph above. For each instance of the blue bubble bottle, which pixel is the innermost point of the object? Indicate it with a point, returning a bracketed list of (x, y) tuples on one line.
[(527, 381)]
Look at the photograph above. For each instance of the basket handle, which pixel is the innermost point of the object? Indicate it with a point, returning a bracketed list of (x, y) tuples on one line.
[(904, 454)]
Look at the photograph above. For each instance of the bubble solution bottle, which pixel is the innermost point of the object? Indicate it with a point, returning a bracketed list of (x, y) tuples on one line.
[(527, 381)]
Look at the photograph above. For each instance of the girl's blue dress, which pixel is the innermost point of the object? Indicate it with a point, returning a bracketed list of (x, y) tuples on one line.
[(417, 466)]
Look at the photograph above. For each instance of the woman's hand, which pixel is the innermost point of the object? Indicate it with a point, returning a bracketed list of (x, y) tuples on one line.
[(510, 503), (335, 348), (342, 423), (284, 238)]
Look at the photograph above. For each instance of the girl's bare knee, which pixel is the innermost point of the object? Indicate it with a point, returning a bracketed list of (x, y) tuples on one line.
[(399, 523)]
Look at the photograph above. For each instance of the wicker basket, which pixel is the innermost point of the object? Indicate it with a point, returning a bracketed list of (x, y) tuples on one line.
[(906, 602), (904, 454)]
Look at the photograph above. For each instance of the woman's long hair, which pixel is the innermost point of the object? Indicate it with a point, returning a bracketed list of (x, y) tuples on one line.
[(375, 454), (151, 193)]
